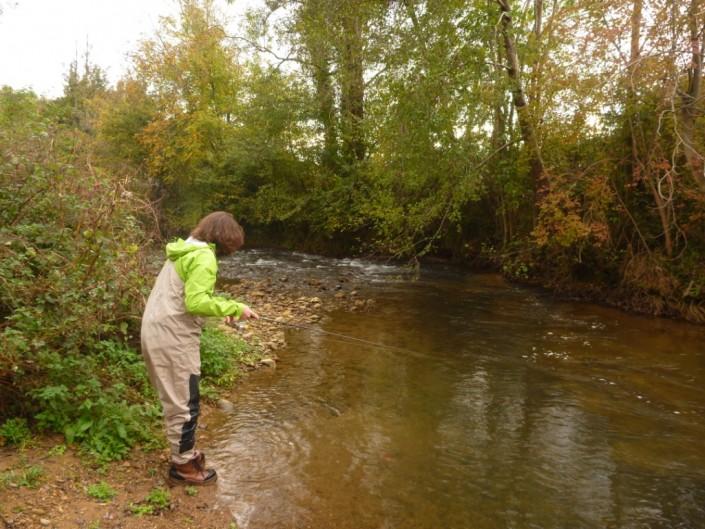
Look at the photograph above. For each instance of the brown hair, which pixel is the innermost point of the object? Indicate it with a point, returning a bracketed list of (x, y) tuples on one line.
[(221, 229)]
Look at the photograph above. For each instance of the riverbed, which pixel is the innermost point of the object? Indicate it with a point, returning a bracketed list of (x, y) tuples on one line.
[(472, 403)]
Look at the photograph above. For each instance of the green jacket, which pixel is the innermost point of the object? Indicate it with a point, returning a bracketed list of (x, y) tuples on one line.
[(197, 267)]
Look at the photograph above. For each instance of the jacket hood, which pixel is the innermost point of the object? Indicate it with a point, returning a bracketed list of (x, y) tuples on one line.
[(180, 247)]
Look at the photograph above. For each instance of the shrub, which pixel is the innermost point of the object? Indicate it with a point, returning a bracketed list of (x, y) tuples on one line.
[(97, 409), (72, 284), (221, 355), (15, 431)]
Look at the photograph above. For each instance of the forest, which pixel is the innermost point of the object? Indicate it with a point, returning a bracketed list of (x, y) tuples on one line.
[(560, 142)]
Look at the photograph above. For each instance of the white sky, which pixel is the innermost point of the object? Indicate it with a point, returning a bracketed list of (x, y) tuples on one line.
[(40, 38)]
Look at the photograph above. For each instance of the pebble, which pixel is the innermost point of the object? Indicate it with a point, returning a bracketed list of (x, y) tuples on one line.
[(44, 521), (268, 362), (226, 405)]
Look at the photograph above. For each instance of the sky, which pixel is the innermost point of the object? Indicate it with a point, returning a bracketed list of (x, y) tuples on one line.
[(40, 38)]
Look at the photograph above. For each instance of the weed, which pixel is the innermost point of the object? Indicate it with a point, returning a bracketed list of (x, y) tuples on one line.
[(29, 477), (160, 498), (57, 450), (221, 356), (101, 491), (191, 491), (140, 509), (209, 392), (6, 479), (15, 432), (157, 500)]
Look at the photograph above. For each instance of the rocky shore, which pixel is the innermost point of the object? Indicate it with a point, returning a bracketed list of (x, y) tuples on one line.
[(283, 303)]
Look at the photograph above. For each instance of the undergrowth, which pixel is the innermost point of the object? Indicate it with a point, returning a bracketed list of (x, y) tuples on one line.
[(73, 281), (157, 500), (222, 357)]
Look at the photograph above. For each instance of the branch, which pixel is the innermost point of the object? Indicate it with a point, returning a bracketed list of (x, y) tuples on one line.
[(265, 49)]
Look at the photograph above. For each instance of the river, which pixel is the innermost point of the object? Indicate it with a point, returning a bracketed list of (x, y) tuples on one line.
[(496, 406)]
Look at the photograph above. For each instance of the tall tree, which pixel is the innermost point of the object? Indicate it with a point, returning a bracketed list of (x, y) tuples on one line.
[(513, 69), (690, 97)]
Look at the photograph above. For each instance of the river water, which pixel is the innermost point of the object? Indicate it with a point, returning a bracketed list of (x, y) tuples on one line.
[(497, 407)]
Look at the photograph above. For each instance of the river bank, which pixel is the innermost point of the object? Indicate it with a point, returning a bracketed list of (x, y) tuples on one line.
[(46, 484)]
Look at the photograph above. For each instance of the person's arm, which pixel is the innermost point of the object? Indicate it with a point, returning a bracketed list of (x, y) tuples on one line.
[(199, 286)]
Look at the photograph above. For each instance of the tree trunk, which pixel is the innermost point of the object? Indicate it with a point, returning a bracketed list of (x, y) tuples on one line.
[(325, 97), (689, 99), (642, 168), (315, 28), (632, 72), (352, 86), (528, 133), (538, 17)]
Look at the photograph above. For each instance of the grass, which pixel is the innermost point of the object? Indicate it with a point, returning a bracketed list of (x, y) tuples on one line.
[(30, 477), (57, 450)]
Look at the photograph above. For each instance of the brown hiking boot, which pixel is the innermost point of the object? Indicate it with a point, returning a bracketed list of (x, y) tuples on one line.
[(192, 472)]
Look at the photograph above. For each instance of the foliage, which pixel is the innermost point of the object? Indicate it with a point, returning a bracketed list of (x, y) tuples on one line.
[(221, 355), (58, 450), (567, 138), (191, 490), (107, 418), (29, 477), (71, 270), (101, 491), (157, 500), (15, 431)]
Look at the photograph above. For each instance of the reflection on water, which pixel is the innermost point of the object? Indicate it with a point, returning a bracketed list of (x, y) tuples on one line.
[(513, 410)]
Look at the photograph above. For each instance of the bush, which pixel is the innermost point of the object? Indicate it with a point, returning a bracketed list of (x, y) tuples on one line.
[(15, 431), (221, 355), (105, 407), (73, 284)]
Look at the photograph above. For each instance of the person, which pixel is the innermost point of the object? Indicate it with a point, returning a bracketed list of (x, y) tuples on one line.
[(171, 329)]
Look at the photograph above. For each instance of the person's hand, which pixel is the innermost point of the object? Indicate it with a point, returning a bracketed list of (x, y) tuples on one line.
[(248, 314)]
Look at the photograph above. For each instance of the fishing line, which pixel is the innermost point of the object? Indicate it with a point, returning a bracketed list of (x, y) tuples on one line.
[(345, 338), (558, 371), (338, 335), (240, 326)]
